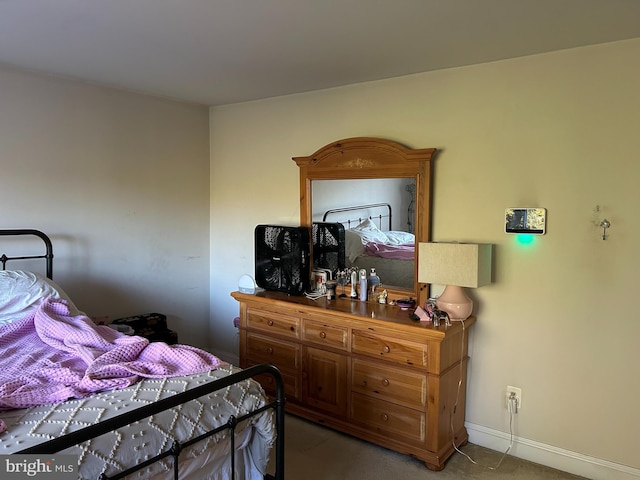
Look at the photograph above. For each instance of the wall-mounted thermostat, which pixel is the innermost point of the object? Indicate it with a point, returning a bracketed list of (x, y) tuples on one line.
[(525, 220)]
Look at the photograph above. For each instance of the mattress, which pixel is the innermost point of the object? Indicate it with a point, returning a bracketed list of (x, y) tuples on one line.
[(392, 271), (120, 449)]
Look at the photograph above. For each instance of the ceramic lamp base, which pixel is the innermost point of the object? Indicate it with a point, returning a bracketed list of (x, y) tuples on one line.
[(455, 302)]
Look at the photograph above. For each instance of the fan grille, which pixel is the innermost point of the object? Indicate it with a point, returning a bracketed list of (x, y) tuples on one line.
[(328, 246), (282, 258)]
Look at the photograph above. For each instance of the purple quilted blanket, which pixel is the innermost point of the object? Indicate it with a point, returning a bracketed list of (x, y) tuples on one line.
[(50, 356)]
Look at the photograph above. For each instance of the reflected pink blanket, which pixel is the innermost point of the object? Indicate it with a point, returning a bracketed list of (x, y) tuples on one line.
[(401, 252), (50, 356)]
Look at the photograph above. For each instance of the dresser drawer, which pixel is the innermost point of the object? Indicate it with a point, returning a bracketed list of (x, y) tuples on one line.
[(284, 355), (273, 323), (388, 383), (395, 422), (389, 349), (324, 335)]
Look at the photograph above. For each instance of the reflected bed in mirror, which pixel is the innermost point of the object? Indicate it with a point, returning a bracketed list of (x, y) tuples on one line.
[(372, 242)]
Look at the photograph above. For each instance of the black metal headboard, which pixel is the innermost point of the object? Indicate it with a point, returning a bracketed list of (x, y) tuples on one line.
[(385, 208), (48, 256)]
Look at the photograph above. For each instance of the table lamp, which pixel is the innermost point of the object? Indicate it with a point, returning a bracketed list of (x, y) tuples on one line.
[(456, 265)]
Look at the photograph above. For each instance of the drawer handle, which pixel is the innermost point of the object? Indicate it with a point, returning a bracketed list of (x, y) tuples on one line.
[(385, 382), (386, 349), (323, 335), (270, 323), (384, 417)]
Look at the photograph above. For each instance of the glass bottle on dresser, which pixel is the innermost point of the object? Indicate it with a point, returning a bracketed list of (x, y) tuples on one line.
[(363, 285)]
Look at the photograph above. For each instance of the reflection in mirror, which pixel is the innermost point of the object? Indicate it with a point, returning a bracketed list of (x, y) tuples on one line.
[(378, 219), (525, 220), (334, 194)]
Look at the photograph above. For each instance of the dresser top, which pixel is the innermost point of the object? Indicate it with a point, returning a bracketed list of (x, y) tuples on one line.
[(378, 313)]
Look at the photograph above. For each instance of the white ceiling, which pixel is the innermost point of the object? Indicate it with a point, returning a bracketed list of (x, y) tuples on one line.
[(218, 52)]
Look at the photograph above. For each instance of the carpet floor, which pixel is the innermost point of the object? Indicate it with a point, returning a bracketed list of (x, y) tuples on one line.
[(314, 452)]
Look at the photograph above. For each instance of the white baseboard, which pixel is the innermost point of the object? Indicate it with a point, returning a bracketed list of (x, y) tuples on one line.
[(554, 457)]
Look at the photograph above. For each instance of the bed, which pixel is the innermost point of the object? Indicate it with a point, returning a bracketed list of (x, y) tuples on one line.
[(370, 243), (175, 412)]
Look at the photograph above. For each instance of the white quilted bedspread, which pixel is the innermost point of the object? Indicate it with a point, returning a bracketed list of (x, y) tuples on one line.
[(135, 443)]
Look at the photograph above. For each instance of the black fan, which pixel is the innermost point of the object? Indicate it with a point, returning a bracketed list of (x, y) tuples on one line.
[(328, 246), (282, 258)]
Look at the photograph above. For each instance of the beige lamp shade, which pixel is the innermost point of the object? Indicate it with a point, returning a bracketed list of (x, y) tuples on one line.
[(461, 264), (455, 265)]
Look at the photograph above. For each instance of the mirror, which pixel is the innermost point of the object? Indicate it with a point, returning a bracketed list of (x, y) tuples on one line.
[(525, 220), (380, 162), (357, 206)]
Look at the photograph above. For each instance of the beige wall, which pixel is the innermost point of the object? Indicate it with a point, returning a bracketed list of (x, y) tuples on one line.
[(557, 131), (120, 183)]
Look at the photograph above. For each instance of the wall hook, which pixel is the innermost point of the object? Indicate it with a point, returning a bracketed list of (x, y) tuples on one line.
[(605, 224)]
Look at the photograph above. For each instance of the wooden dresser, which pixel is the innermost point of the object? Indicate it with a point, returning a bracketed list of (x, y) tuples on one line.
[(364, 369)]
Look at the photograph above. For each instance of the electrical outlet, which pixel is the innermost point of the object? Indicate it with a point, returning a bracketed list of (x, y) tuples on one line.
[(518, 393)]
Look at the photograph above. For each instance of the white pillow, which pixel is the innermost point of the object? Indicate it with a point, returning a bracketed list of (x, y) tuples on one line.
[(21, 292), (369, 232)]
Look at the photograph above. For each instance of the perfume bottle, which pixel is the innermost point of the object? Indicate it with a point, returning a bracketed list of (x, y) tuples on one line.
[(374, 281), (354, 279), (363, 285)]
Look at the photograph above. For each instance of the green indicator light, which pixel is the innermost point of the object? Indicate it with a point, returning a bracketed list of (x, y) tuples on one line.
[(525, 238)]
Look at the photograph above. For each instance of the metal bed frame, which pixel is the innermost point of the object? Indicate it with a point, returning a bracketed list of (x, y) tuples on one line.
[(48, 256), (386, 213), (79, 436), (106, 426)]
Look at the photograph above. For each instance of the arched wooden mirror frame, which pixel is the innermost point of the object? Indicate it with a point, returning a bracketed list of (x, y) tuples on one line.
[(368, 158)]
